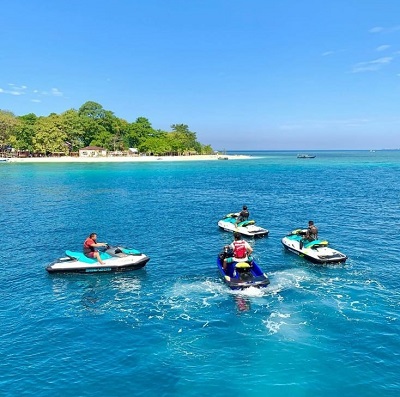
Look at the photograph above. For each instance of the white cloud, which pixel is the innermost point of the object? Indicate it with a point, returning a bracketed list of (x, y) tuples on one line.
[(52, 92), (56, 92), (326, 53), (15, 91), (383, 47), (18, 90), (16, 87), (380, 29), (371, 66), (376, 29)]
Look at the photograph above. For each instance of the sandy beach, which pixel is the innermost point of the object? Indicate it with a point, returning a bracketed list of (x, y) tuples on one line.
[(122, 159)]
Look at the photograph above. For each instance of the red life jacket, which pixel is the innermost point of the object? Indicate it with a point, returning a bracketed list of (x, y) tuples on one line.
[(239, 249), (87, 246)]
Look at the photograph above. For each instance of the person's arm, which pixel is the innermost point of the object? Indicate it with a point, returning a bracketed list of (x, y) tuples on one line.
[(99, 245), (248, 247)]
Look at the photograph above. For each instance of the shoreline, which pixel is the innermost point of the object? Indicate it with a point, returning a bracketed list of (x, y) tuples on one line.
[(123, 159)]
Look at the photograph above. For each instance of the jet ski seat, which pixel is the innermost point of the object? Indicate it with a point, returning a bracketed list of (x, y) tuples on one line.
[(80, 256)]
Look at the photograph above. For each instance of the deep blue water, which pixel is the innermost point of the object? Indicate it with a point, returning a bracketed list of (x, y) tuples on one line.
[(174, 329)]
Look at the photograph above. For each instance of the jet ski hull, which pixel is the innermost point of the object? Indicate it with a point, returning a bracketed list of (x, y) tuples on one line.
[(238, 278)]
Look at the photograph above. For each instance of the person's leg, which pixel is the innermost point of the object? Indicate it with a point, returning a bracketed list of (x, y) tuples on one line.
[(225, 263), (97, 256)]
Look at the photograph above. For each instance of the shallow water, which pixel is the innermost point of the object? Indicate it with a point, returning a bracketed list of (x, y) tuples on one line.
[(174, 328)]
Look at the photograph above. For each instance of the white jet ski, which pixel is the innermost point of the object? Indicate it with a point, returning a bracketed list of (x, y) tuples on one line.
[(246, 228), (116, 259), (316, 251)]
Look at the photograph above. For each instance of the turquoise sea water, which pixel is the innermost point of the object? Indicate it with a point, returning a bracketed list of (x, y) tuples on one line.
[(174, 329)]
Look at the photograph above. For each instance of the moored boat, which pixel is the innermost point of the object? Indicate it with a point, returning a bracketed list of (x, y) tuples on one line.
[(306, 156), (316, 251), (115, 259)]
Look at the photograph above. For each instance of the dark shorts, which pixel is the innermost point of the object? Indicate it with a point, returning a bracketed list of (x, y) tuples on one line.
[(90, 254)]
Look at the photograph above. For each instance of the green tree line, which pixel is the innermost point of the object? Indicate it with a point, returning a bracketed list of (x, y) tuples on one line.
[(92, 125)]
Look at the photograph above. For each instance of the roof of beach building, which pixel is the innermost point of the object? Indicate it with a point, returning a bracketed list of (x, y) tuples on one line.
[(92, 148)]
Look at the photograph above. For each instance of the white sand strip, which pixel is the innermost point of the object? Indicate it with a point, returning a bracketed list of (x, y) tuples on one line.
[(123, 159)]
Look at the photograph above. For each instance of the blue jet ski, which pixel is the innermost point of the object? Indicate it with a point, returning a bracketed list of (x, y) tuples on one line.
[(116, 259), (241, 273)]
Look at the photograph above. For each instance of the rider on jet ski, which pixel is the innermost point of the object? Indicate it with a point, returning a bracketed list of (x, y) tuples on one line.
[(241, 251), (243, 215), (310, 234), (90, 245)]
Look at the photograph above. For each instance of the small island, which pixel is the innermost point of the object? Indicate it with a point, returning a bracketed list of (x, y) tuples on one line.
[(94, 133)]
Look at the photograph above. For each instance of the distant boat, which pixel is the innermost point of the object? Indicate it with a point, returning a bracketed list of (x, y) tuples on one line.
[(223, 156), (305, 156)]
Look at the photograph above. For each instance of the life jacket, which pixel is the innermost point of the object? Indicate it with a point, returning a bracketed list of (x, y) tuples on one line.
[(88, 248), (239, 249), (244, 215), (312, 232)]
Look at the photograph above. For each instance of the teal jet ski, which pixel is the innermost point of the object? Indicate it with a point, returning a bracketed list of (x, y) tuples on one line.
[(316, 251), (115, 259), (246, 228)]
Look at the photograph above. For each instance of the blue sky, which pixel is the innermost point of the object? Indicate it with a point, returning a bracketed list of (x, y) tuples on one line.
[(254, 74)]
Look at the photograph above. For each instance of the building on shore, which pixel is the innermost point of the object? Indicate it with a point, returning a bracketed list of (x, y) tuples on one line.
[(92, 151)]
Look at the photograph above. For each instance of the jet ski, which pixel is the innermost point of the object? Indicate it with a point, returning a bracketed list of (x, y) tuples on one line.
[(241, 273), (316, 251), (116, 259), (246, 228)]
